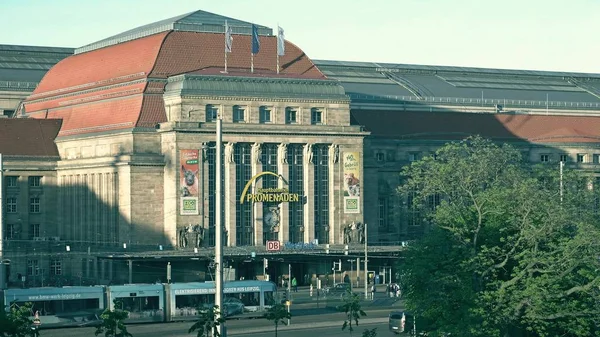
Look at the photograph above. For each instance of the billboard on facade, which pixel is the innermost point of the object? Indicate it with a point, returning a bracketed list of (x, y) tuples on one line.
[(351, 162), (189, 182)]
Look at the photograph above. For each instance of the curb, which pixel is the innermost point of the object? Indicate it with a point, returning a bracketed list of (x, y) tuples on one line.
[(301, 326)]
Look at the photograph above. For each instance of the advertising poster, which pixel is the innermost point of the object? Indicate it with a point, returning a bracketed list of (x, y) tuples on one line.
[(351, 164), (189, 182)]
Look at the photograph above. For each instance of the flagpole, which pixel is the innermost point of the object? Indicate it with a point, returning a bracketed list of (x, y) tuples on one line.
[(225, 61), (277, 48), (251, 62)]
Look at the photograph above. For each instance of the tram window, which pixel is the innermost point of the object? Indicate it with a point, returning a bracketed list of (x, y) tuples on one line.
[(140, 304), (269, 298), (194, 301), (249, 299), (46, 308)]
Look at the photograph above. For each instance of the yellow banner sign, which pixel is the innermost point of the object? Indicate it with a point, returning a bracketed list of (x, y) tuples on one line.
[(267, 194)]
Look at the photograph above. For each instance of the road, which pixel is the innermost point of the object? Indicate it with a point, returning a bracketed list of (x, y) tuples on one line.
[(319, 324)]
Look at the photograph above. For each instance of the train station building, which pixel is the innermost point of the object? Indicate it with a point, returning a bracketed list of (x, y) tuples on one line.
[(110, 162)]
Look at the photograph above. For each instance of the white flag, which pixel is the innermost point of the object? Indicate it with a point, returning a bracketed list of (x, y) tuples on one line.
[(228, 38), (280, 42)]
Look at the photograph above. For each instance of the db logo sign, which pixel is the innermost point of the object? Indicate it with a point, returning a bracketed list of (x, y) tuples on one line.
[(273, 246)]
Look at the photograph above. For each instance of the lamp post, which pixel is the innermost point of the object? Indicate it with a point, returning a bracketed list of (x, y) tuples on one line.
[(218, 227), (366, 270), (2, 266)]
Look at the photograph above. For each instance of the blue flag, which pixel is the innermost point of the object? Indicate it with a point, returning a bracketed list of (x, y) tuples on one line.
[(255, 41)]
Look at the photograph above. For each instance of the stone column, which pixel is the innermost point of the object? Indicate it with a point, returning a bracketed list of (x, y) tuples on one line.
[(284, 215), (309, 207), (231, 200), (257, 207), (335, 218)]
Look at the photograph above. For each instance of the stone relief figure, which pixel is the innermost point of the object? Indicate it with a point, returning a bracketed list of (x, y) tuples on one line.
[(182, 237), (282, 153), (204, 150), (334, 153), (347, 236), (229, 152), (308, 154), (361, 232), (256, 153), (191, 234)]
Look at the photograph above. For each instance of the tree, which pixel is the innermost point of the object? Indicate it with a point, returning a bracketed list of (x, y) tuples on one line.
[(507, 253), (370, 333), (17, 321), (352, 309), (113, 322), (277, 314), (207, 323)]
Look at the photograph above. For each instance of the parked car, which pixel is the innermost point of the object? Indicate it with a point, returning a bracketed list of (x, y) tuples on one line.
[(397, 322)]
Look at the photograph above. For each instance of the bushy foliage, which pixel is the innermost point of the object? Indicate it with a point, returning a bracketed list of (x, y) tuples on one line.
[(508, 252)]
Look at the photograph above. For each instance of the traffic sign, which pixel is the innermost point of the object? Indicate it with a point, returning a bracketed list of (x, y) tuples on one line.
[(273, 246)]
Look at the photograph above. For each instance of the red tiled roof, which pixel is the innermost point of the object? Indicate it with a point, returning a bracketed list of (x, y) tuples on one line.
[(29, 137), (184, 52), (455, 125), (115, 64), (121, 113), (77, 89)]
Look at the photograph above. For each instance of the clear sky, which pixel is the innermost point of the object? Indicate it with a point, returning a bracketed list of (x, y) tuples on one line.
[(555, 35)]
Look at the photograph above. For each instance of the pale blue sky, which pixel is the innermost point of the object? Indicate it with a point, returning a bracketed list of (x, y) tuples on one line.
[(556, 35)]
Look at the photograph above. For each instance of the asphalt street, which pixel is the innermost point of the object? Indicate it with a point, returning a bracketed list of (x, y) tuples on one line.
[(322, 322)]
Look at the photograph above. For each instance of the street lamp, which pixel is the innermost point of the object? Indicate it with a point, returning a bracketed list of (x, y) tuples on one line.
[(2, 266)]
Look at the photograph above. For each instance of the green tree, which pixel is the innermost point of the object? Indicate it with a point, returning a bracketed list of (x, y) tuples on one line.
[(352, 309), (506, 252), (207, 323), (277, 314), (17, 321), (113, 322)]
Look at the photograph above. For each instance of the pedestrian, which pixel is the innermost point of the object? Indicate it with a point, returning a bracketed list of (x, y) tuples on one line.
[(373, 290), (295, 284)]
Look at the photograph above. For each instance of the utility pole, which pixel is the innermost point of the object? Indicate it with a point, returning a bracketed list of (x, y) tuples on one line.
[(219, 227), (2, 266), (366, 269), (562, 164)]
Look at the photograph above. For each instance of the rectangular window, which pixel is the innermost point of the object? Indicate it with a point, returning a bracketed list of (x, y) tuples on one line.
[(413, 156), (264, 114), (34, 181), (11, 231), (211, 113), (383, 213), (56, 267), (544, 158), (33, 267), (11, 181), (238, 114), (34, 205), (316, 116), (11, 205), (564, 158), (291, 115), (596, 158), (34, 231), (581, 158), (380, 157)]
